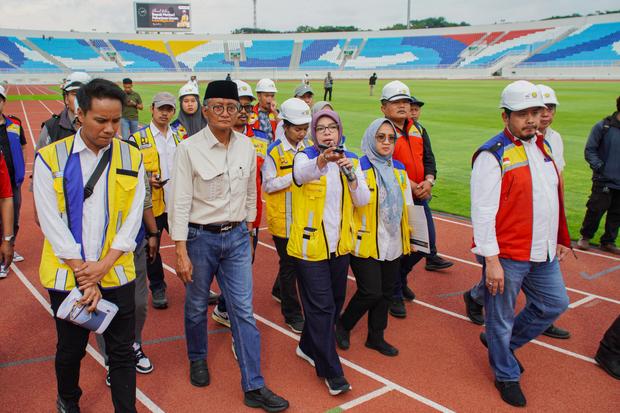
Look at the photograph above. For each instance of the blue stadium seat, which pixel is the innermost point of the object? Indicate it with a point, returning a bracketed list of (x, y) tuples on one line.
[(76, 54), (22, 56), (321, 53), (141, 58), (267, 53)]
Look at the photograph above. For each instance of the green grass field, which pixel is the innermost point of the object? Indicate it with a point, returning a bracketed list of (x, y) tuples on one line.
[(460, 115)]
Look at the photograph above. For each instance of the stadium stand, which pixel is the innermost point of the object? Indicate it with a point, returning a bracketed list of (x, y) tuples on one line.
[(267, 53), (593, 44), (76, 54), (324, 53), (200, 55), (146, 55), (15, 56)]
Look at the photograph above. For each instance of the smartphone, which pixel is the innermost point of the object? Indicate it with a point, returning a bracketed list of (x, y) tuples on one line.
[(164, 182)]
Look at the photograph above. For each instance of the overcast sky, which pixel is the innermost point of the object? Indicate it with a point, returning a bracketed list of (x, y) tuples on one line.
[(222, 16)]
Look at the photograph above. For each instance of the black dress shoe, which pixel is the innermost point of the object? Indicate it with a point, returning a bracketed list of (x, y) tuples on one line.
[(511, 392), (383, 347), (199, 373), (610, 362), (63, 406), (435, 262), (408, 293), (483, 340), (265, 399), (343, 336), (473, 309), (397, 309), (556, 332)]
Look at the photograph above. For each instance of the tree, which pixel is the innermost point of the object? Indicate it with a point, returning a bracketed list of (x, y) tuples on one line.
[(429, 22)]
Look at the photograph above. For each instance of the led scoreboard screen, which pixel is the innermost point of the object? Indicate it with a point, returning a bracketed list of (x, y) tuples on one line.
[(163, 16)]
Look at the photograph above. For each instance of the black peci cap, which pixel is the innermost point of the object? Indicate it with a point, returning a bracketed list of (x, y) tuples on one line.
[(225, 89)]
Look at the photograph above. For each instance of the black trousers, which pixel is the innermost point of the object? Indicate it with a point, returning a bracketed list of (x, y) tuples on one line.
[(328, 91), (602, 199), (611, 340), (375, 284), (119, 338), (286, 283), (155, 269), (323, 288)]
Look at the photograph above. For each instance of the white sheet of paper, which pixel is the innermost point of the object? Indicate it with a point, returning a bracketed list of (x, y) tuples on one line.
[(419, 234)]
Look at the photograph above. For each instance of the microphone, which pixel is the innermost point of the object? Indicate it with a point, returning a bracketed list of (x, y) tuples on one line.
[(346, 171)]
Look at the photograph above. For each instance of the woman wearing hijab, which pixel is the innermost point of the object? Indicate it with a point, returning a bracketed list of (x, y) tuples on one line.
[(327, 185), (190, 120), (382, 237)]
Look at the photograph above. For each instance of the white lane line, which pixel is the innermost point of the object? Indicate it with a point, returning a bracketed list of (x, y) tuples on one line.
[(584, 300), (45, 106), (366, 397), (143, 398), (346, 362), (34, 143), (564, 351), (464, 224), (167, 246)]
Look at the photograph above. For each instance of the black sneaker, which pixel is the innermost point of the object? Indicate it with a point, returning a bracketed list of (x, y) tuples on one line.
[(383, 347), (143, 364), (63, 406), (159, 299), (213, 297), (511, 392), (556, 332), (435, 262), (483, 340), (343, 336), (408, 293), (265, 399), (397, 309), (107, 377), (337, 385), (473, 309), (296, 326), (608, 360), (199, 373)]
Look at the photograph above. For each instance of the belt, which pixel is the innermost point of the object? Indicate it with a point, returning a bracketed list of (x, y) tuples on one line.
[(217, 228)]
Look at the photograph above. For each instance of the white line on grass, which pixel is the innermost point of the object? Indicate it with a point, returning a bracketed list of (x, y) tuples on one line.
[(143, 398)]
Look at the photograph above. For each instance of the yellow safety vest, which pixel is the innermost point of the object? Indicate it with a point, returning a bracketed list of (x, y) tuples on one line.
[(145, 140), (365, 217), (279, 204), (308, 240), (121, 186)]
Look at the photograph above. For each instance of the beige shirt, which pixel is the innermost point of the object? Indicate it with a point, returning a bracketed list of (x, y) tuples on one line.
[(212, 183)]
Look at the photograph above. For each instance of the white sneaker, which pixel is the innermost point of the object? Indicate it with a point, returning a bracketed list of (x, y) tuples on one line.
[(4, 271), (221, 317), (143, 364), (304, 356), (17, 257)]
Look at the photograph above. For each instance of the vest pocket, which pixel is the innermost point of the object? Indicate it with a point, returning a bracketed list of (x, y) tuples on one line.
[(125, 185)]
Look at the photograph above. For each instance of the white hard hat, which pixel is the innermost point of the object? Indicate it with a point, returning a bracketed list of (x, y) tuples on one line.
[(244, 89), (76, 80), (266, 85), (548, 95), (2, 92), (188, 89), (395, 90), (295, 111), (521, 95)]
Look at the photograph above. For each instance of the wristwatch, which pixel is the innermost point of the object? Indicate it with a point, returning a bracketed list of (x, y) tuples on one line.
[(153, 234), (9, 238), (431, 181)]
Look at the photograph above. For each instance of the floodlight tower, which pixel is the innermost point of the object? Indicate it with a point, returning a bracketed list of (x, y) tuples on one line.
[(254, 1), (408, 14)]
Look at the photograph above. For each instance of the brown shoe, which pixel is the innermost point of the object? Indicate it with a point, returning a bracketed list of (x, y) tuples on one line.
[(583, 243), (610, 248)]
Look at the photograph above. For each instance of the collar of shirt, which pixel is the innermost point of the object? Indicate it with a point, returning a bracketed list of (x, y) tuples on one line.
[(155, 131), (288, 147), (80, 146), (213, 141)]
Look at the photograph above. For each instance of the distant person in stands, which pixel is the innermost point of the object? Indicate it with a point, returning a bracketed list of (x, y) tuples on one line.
[(129, 122), (6, 218), (158, 142), (328, 85), (372, 82), (603, 155), (608, 354), (264, 115), (66, 123), (228, 77), (190, 120), (474, 298), (12, 146)]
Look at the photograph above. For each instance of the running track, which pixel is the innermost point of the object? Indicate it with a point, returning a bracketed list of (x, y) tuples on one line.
[(441, 366)]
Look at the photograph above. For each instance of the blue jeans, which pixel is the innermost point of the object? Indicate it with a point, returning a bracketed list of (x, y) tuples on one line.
[(477, 291), (407, 262), (128, 127), (546, 299), (227, 255)]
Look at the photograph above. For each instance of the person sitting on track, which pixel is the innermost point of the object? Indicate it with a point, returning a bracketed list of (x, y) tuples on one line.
[(520, 230), (214, 204), (382, 229), (321, 239)]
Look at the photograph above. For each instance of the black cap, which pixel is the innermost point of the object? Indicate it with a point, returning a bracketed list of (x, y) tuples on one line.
[(224, 89), (415, 101), (127, 81)]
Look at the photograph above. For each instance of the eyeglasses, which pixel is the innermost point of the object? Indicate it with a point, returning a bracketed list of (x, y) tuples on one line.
[(247, 108), (385, 138), (324, 129), (230, 109)]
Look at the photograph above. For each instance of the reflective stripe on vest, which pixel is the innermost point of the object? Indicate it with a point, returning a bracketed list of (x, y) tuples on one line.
[(19, 165)]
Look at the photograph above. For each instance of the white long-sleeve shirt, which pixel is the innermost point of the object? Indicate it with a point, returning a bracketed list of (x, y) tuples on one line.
[(486, 184), (271, 182), (93, 219), (306, 170), (391, 247), (557, 147), (165, 148)]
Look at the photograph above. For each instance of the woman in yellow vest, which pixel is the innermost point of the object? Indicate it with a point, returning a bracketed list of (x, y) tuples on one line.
[(382, 238), (327, 185)]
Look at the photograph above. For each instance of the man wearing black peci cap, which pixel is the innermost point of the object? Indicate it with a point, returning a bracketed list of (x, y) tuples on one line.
[(213, 205)]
